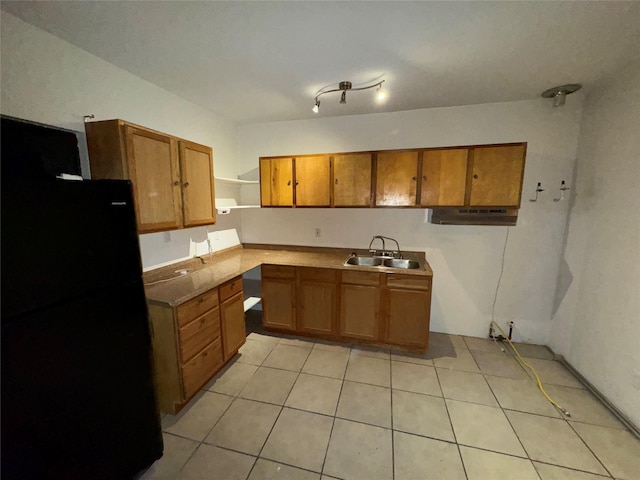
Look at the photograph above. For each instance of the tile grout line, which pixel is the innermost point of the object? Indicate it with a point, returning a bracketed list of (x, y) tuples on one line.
[(588, 447), (238, 396), (393, 445), (511, 425), (545, 416), (282, 407), (335, 412), (453, 431)]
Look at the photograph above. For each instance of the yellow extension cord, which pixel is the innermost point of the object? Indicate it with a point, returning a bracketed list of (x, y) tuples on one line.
[(524, 363)]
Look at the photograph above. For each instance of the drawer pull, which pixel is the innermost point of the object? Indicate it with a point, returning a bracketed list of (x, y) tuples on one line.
[(200, 300), (206, 352)]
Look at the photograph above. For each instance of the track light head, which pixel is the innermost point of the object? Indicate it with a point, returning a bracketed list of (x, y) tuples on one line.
[(316, 107), (343, 97)]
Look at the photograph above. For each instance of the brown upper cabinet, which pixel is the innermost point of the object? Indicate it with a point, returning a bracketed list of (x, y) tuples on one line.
[(352, 180), (172, 178), (472, 176), (198, 198), (312, 181), (496, 175), (396, 178), (276, 182), (443, 177)]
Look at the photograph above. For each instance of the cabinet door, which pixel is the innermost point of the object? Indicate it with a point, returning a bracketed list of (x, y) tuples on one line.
[(232, 323), (312, 181), (154, 171), (408, 317), (352, 180), (444, 177), (316, 300), (198, 196), (278, 303), (276, 182), (497, 176), (396, 178), (359, 307)]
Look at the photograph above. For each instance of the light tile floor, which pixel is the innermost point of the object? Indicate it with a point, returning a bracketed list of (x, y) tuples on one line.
[(289, 408)]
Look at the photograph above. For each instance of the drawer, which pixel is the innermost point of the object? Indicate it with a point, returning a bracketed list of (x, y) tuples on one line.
[(317, 274), (278, 271), (196, 307), (412, 282), (229, 289), (200, 332), (197, 371), (361, 278)]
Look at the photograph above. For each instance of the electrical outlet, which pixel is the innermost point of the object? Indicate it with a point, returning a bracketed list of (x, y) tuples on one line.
[(318, 232)]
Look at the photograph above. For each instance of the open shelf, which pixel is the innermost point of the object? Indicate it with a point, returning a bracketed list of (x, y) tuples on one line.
[(236, 181), (251, 302)]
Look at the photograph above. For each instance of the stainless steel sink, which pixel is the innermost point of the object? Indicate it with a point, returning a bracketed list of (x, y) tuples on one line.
[(400, 263), (367, 261), (364, 261)]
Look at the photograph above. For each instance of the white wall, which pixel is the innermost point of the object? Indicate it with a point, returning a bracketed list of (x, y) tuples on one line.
[(597, 325), (47, 80), (466, 260)]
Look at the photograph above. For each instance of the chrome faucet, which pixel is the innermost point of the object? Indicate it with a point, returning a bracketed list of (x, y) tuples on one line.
[(384, 252)]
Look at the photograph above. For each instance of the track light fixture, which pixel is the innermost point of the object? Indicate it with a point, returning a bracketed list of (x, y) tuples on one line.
[(344, 87), (559, 93)]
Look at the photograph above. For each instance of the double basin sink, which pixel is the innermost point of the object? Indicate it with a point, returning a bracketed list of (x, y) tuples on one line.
[(387, 262)]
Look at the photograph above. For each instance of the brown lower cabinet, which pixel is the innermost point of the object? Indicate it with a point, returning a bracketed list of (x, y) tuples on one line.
[(316, 293), (373, 307), (407, 306), (278, 297), (191, 342), (360, 305)]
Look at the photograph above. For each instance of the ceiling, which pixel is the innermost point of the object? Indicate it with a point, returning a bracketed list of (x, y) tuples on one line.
[(264, 61)]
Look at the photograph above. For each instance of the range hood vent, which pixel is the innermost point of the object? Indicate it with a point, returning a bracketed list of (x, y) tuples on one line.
[(474, 216)]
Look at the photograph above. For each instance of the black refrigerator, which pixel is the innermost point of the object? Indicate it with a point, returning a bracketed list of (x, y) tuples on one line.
[(78, 398)]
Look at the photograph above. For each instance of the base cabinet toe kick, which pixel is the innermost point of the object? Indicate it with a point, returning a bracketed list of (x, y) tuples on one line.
[(351, 306)]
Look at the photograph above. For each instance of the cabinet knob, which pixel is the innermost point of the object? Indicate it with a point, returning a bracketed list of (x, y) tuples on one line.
[(176, 183), (413, 178), (185, 184), (336, 181), (475, 176), (297, 182), (205, 353), (202, 321), (200, 300), (424, 178), (288, 183)]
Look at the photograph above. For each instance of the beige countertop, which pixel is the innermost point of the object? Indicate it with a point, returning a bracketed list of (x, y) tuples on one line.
[(163, 287)]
